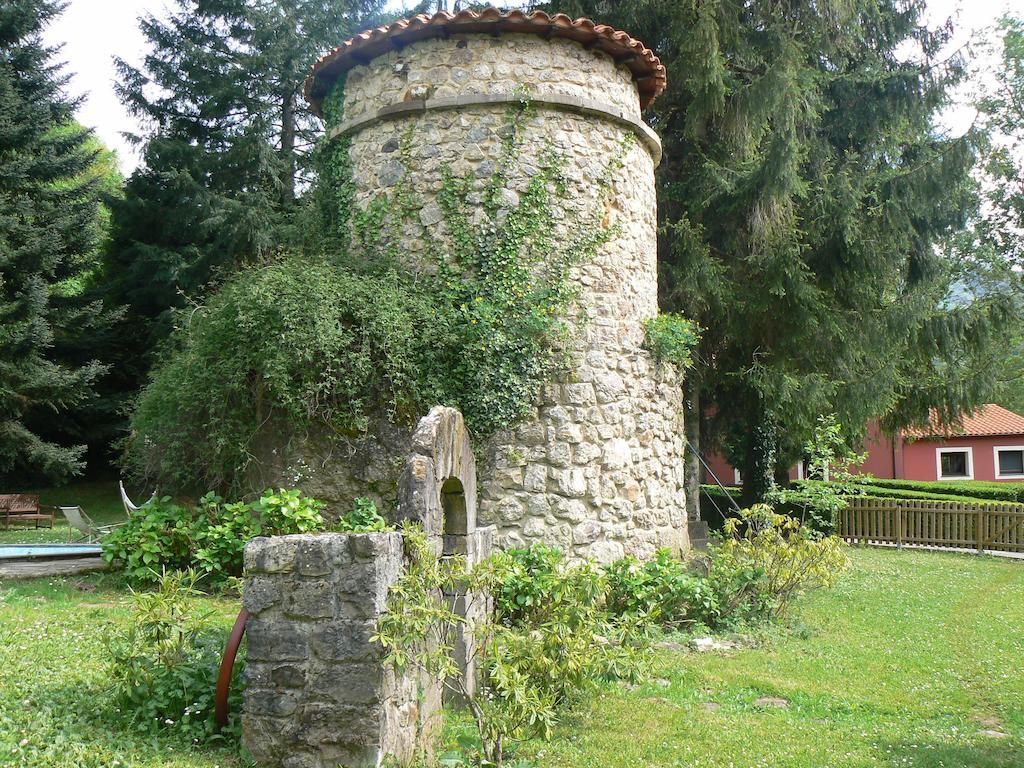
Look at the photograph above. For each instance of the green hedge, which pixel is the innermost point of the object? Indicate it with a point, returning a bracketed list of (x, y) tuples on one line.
[(969, 489), (966, 492)]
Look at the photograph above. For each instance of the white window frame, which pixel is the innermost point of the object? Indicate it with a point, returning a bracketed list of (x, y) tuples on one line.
[(737, 479), (970, 462), (995, 459)]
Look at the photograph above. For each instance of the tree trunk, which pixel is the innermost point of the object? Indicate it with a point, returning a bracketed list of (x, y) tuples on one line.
[(759, 460), (288, 149), (691, 462)]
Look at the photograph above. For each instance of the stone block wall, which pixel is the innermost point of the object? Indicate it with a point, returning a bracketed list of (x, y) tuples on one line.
[(319, 694)]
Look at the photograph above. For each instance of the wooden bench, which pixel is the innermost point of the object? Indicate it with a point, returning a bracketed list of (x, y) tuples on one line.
[(23, 508)]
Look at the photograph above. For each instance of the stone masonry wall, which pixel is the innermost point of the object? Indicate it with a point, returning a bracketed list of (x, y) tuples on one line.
[(319, 694), (599, 471)]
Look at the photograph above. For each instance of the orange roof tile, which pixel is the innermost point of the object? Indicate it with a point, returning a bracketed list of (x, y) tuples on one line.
[(988, 420), (647, 69)]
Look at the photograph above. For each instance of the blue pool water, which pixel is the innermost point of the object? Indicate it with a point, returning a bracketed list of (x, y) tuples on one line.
[(20, 551)]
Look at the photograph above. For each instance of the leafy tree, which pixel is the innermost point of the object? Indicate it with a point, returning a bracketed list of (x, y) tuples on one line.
[(49, 226), (803, 193)]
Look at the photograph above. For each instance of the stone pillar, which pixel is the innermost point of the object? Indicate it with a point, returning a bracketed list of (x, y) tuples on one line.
[(319, 694), (599, 469), (437, 489)]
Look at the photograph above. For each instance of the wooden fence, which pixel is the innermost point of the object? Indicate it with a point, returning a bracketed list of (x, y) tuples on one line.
[(996, 526)]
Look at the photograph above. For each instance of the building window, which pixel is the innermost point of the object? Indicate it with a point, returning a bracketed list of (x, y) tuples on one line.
[(1009, 461), (954, 463)]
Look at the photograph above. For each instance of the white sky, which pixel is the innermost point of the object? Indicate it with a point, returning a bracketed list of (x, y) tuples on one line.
[(94, 31)]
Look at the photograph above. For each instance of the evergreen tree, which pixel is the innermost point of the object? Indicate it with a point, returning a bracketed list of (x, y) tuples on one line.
[(990, 253), (48, 232), (803, 192), (226, 153)]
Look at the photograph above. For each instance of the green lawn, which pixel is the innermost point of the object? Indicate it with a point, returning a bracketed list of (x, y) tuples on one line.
[(903, 664), (100, 499), (54, 708)]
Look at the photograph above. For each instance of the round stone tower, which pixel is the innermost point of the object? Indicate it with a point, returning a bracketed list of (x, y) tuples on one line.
[(599, 470)]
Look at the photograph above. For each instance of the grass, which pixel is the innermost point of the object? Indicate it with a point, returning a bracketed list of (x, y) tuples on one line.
[(100, 499), (54, 707), (903, 664)]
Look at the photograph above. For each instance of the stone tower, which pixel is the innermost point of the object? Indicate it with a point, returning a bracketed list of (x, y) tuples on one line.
[(599, 471)]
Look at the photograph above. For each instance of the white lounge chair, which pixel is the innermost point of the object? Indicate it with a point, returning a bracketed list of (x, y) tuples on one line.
[(82, 523), (129, 507)]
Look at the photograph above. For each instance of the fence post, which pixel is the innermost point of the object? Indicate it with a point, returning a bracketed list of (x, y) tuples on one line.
[(899, 525), (979, 530)]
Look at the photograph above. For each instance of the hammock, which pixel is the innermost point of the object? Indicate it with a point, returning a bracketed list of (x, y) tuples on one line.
[(129, 507)]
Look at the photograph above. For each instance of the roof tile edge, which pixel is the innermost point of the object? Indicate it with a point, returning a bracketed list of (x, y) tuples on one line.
[(647, 69)]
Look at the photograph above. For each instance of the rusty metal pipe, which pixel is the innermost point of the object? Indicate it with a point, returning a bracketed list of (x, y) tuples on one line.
[(227, 664)]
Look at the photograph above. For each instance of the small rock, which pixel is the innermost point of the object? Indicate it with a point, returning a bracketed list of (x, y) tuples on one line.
[(772, 701), (711, 706), (993, 734), (702, 644), (670, 646), (663, 682)]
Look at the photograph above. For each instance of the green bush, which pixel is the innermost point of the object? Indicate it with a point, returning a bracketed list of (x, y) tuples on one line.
[(164, 664), (764, 560), (538, 657), (159, 536), (211, 537), (671, 338), (363, 518), (303, 340), (530, 580), (662, 590)]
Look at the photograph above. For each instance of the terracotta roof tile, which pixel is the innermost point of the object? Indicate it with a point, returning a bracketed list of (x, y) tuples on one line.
[(988, 420), (647, 69)]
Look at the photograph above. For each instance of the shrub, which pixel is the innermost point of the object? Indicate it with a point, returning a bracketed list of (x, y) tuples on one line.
[(164, 665), (539, 656), (283, 512), (363, 518), (159, 536), (301, 339), (211, 537), (527, 581), (662, 591), (671, 338), (765, 560), (974, 490)]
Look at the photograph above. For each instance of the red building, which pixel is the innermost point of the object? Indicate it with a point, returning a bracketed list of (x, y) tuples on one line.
[(988, 445)]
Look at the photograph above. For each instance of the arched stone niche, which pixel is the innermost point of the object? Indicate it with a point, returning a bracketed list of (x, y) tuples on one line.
[(437, 487)]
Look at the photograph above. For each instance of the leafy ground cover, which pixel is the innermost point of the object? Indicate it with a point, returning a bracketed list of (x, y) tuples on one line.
[(905, 663), (99, 498), (55, 708)]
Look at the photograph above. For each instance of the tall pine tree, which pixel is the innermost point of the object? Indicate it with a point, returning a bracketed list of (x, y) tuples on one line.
[(227, 147), (803, 194), (48, 231)]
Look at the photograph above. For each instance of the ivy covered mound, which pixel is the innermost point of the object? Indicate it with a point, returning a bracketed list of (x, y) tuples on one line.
[(301, 343)]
